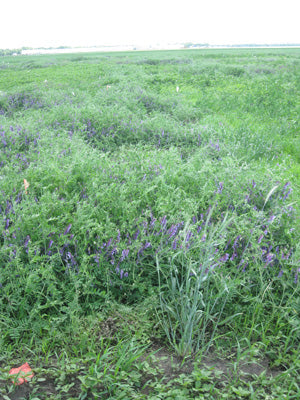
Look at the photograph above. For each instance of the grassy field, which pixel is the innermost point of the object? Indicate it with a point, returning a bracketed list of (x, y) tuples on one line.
[(153, 250)]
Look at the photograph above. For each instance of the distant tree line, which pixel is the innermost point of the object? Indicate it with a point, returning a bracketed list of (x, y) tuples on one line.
[(9, 52), (12, 52)]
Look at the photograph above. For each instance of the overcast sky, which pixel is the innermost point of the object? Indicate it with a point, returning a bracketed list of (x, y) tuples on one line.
[(51, 23)]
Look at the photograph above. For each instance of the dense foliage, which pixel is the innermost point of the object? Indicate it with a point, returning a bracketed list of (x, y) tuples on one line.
[(163, 182)]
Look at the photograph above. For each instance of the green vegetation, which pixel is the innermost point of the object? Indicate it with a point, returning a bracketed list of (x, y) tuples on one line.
[(155, 253)]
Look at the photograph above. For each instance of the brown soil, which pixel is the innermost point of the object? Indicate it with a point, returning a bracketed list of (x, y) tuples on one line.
[(166, 364)]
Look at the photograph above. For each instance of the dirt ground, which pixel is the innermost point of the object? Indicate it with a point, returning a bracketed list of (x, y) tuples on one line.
[(169, 367)]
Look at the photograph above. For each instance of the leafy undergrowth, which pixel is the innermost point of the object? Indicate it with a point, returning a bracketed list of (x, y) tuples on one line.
[(118, 361), (149, 213)]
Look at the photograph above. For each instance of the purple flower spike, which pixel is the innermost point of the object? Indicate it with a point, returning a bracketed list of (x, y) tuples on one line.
[(220, 188), (287, 194), (188, 236), (68, 229), (269, 259), (260, 238), (224, 258), (296, 278), (135, 236), (26, 241), (174, 244), (124, 254), (163, 221), (271, 219), (119, 236), (245, 266)]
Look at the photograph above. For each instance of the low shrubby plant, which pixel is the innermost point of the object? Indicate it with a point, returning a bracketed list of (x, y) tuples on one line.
[(182, 204)]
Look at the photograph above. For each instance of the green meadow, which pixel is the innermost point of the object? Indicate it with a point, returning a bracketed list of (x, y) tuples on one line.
[(149, 214)]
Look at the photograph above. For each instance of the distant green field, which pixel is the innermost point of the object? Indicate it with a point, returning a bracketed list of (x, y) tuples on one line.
[(160, 210)]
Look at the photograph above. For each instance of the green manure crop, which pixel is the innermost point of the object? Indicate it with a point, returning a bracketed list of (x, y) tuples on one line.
[(161, 220)]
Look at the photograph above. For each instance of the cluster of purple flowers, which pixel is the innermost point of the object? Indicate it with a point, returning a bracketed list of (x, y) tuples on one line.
[(16, 145), (150, 234), (25, 101)]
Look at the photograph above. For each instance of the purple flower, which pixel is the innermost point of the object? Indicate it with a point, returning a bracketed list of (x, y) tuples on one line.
[(163, 221), (227, 244), (152, 222), (68, 229), (260, 238), (124, 254), (269, 258), (199, 227), (113, 252), (6, 224), (235, 244), (129, 240), (296, 278), (26, 241), (287, 194), (135, 236), (188, 236), (245, 266), (224, 258), (70, 257), (174, 229), (220, 188)]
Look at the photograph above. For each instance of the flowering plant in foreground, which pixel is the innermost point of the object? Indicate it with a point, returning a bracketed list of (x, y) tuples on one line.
[(128, 256)]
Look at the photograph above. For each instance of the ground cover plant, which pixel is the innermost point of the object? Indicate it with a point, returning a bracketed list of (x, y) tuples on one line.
[(149, 211)]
